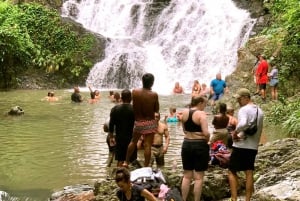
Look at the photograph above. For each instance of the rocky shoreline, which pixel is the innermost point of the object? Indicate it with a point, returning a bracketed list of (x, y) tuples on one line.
[(277, 178)]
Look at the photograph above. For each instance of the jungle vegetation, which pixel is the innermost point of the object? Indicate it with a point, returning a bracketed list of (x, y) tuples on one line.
[(284, 30), (34, 37)]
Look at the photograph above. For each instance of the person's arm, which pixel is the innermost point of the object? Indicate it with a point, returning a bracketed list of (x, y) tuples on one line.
[(148, 195), (213, 122), (111, 125), (156, 109), (80, 98), (167, 138), (204, 125), (241, 125), (211, 88), (90, 88)]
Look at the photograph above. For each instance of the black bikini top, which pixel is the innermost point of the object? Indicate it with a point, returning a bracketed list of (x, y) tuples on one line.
[(189, 125)]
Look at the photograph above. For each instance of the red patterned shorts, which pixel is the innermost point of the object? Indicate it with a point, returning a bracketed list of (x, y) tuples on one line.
[(146, 126)]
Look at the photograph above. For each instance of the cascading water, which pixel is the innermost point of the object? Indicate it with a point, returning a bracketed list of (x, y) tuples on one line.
[(182, 40)]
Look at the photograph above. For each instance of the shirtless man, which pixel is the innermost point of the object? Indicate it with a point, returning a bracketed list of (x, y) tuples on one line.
[(159, 149), (145, 105), (177, 88)]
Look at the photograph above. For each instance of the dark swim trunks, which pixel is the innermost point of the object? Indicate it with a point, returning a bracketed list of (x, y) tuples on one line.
[(195, 155), (242, 159)]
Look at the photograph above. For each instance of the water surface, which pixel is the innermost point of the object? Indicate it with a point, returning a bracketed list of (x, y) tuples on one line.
[(56, 144)]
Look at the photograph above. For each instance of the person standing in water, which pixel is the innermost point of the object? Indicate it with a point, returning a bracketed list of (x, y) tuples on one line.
[(160, 146), (76, 97), (122, 121), (177, 89), (145, 104)]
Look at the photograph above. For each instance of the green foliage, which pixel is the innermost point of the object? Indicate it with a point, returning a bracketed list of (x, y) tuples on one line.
[(286, 113), (285, 31), (34, 36)]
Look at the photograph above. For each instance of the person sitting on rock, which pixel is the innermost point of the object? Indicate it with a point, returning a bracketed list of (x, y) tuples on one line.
[(129, 191), (220, 123)]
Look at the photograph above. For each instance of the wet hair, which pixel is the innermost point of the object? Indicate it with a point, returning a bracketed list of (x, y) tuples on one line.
[(93, 94), (222, 108), (117, 96), (97, 92), (76, 89), (173, 109), (126, 96), (111, 93), (122, 174), (148, 80), (196, 100), (50, 94)]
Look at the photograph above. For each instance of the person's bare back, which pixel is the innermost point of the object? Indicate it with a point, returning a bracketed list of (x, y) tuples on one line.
[(145, 104)]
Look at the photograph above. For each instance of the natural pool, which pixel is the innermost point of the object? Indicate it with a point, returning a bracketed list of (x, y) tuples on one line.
[(56, 144)]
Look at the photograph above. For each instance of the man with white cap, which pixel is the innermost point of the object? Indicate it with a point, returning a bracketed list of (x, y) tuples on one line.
[(245, 145)]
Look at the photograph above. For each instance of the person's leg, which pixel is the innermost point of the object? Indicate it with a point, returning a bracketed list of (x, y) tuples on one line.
[(273, 93), (198, 178), (186, 182), (131, 147), (249, 184), (160, 158), (233, 182), (148, 140), (213, 99), (263, 91)]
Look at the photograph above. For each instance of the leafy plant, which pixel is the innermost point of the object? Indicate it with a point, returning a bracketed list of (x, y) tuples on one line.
[(32, 36), (288, 114)]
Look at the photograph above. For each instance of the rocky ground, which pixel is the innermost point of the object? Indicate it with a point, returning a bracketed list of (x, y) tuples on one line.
[(277, 177)]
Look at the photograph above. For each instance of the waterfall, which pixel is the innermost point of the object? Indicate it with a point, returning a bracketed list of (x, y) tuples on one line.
[(180, 40)]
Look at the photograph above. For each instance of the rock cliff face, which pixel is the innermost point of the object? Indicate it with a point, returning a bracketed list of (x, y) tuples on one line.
[(277, 177), (241, 77)]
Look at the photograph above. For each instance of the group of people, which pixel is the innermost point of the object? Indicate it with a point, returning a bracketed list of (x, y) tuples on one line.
[(128, 122), (77, 98), (262, 76), (215, 91)]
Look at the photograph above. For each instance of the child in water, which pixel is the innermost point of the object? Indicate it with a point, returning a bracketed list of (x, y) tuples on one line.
[(172, 116)]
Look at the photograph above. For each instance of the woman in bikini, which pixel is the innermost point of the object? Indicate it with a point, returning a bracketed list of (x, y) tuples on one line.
[(220, 123), (196, 88)]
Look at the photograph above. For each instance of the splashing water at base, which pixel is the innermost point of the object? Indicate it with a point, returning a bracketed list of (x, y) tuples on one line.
[(181, 41)]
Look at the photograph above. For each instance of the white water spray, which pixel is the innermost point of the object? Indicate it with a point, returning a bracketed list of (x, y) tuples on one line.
[(186, 40)]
